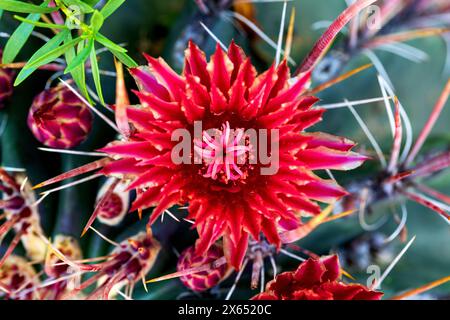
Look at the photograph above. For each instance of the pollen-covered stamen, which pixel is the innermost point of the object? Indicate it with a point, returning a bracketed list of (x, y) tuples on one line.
[(223, 152)]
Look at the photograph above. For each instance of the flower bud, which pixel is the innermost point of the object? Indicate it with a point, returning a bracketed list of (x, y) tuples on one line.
[(59, 119), (201, 281)]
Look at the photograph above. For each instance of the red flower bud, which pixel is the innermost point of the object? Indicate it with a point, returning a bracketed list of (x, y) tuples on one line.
[(201, 281), (59, 119)]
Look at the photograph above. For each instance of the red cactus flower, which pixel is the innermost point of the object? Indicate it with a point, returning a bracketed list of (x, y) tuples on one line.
[(204, 280), (226, 191), (231, 198), (59, 119), (6, 84), (316, 280)]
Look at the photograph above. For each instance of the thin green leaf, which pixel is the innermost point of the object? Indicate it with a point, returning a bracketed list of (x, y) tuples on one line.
[(80, 57), (108, 43), (92, 3), (20, 37), (84, 7), (79, 73), (52, 55), (24, 7), (41, 24), (125, 59), (50, 45), (96, 21), (96, 75), (110, 7), (1, 13)]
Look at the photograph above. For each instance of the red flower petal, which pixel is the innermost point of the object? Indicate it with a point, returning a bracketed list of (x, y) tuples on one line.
[(329, 141), (310, 273), (166, 76), (146, 82), (325, 158), (322, 190), (220, 68), (331, 263), (195, 64)]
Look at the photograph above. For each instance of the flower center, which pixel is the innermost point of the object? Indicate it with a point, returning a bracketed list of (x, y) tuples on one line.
[(223, 153)]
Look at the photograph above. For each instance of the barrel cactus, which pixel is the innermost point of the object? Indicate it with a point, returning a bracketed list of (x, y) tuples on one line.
[(243, 155)]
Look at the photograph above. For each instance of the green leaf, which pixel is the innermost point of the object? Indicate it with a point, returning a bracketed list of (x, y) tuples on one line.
[(96, 21), (125, 59), (51, 55), (20, 37), (110, 7), (52, 44), (24, 7), (84, 7), (41, 24), (96, 75), (1, 13), (80, 57), (92, 3), (79, 73), (108, 43)]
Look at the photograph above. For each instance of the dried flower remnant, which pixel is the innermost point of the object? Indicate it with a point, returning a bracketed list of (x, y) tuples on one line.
[(21, 215), (316, 279), (127, 264), (55, 268), (115, 206), (58, 119), (201, 281), (17, 279)]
